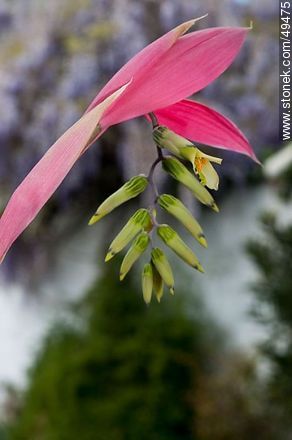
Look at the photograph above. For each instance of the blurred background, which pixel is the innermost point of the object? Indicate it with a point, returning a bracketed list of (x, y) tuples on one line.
[(81, 356)]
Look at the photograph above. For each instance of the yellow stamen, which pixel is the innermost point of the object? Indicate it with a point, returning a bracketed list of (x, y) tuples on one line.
[(199, 163)]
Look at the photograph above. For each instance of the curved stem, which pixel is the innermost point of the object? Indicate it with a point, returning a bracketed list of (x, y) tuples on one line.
[(159, 152), (153, 166), (154, 120), (151, 179)]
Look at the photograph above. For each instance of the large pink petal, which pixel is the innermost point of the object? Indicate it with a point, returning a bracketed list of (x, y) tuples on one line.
[(204, 125), (189, 65), (48, 173), (142, 61)]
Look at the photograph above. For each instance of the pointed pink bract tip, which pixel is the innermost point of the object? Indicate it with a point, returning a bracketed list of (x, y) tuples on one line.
[(184, 27), (256, 160)]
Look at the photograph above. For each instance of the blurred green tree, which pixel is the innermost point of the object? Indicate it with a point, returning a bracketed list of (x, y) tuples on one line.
[(115, 369), (122, 371), (273, 257)]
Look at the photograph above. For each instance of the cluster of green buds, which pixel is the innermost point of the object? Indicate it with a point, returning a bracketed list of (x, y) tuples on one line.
[(142, 229)]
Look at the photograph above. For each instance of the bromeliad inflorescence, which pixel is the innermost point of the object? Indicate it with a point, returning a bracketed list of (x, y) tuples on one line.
[(154, 83), (143, 227)]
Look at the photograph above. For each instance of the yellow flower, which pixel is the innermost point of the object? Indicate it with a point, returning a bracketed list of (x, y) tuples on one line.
[(184, 149), (202, 165)]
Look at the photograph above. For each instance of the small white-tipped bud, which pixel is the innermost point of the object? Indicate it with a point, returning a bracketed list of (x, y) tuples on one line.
[(147, 283), (176, 208), (135, 186), (165, 138), (179, 172), (134, 253), (163, 267), (173, 240), (140, 220)]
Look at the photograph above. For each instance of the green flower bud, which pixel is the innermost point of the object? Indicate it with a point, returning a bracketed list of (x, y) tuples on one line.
[(165, 138), (140, 220), (135, 186), (136, 250), (173, 240), (179, 172), (163, 267), (176, 208), (158, 284), (147, 282)]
